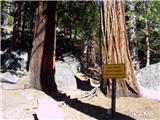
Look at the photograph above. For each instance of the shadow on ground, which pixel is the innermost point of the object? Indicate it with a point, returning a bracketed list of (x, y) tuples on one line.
[(83, 85), (94, 111)]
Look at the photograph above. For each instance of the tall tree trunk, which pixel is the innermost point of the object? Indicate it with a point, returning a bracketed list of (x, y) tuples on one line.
[(147, 36), (92, 50), (4, 19), (23, 27), (84, 59), (42, 64), (88, 60), (70, 20), (132, 34), (65, 30), (147, 45), (17, 25), (115, 48)]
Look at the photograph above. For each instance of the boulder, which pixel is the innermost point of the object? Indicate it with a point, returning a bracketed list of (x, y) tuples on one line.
[(23, 82), (8, 77), (149, 79), (72, 61), (14, 60), (24, 59), (64, 76), (1, 52)]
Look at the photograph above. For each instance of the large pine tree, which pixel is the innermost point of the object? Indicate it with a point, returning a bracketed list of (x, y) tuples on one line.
[(42, 63), (115, 48)]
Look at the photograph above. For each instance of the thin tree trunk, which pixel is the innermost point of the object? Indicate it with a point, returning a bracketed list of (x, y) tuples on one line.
[(147, 37), (17, 25), (132, 34), (84, 57), (115, 48), (65, 30), (92, 50), (42, 64), (147, 47), (23, 27), (88, 60), (4, 19), (70, 21)]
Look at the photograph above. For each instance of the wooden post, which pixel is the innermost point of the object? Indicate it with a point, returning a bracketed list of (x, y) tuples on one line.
[(113, 97), (113, 71)]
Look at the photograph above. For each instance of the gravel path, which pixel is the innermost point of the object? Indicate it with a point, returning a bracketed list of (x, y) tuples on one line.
[(22, 105)]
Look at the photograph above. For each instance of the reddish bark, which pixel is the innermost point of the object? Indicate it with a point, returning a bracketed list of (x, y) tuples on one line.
[(115, 48), (42, 64)]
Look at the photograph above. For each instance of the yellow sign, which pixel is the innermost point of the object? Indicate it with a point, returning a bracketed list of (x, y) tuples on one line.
[(113, 71)]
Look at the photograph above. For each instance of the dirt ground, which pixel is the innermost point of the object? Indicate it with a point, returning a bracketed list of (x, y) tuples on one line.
[(22, 104)]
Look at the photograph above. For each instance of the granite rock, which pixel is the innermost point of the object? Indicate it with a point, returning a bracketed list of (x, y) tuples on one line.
[(149, 81)]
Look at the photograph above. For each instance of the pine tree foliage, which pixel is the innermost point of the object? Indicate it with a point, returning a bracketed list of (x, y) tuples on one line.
[(147, 14)]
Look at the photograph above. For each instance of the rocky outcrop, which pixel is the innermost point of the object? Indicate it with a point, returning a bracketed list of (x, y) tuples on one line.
[(9, 77), (14, 60), (149, 81), (73, 62), (64, 76)]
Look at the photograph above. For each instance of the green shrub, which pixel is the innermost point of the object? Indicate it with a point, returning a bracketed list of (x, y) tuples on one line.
[(10, 20)]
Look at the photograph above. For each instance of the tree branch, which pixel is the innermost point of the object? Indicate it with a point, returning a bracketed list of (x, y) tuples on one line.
[(154, 51)]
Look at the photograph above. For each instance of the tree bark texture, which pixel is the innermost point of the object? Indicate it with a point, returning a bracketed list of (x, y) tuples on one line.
[(147, 46), (92, 50), (132, 35), (17, 25), (115, 48), (147, 36), (88, 60), (23, 22), (42, 63)]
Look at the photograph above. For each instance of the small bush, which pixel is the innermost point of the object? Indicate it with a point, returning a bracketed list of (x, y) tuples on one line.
[(10, 20)]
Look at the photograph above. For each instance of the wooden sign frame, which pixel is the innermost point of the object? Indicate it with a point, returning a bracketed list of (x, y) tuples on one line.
[(113, 71)]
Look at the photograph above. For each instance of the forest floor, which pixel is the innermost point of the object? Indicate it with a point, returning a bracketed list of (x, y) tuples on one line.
[(21, 104)]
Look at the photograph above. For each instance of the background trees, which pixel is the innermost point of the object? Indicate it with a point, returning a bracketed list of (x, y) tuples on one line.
[(77, 18), (18, 16), (147, 28), (6, 13), (132, 19), (80, 23)]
